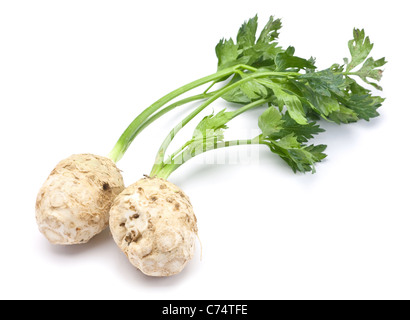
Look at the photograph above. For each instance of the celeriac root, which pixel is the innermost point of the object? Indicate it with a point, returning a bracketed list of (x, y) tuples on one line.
[(73, 204), (153, 223)]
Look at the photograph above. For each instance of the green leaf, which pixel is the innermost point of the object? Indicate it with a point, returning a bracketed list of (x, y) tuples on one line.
[(212, 122), (288, 99), (227, 53), (270, 122), (302, 132), (325, 82), (343, 115), (271, 31), (293, 105), (321, 91), (288, 142), (247, 33), (337, 68), (200, 143), (370, 70), (360, 47), (299, 157), (246, 92), (260, 55), (249, 51), (253, 90), (286, 60), (356, 88), (317, 151), (209, 131), (365, 106), (236, 95), (328, 105)]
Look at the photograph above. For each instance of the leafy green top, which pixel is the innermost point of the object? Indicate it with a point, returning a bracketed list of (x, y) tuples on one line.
[(297, 93), (286, 137), (248, 49), (331, 93)]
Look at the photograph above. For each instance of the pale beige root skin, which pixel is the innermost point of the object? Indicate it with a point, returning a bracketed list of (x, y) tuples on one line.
[(154, 224), (74, 203)]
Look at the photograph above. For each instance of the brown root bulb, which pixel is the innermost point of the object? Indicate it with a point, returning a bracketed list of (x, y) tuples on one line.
[(153, 223), (74, 203)]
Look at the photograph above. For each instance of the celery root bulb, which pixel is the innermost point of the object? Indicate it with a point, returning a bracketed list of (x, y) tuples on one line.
[(73, 204), (153, 223)]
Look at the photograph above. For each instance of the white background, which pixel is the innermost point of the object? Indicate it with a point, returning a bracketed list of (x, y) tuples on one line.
[(73, 75)]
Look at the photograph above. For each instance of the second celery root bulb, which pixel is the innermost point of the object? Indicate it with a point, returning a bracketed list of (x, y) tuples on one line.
[(154, 224)]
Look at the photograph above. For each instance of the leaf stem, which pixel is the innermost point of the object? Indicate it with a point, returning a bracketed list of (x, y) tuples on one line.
[(209, 88), (169, 108), (167, 169), (133, 129), (350, 73)]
